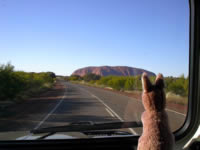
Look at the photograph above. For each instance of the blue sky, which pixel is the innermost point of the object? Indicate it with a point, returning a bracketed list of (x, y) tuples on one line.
[(64, 35)]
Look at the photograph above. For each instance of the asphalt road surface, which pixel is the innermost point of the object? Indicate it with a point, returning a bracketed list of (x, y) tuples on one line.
[(70, 102)]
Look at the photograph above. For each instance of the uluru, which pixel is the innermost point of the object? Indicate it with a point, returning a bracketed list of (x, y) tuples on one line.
[(112, 70)]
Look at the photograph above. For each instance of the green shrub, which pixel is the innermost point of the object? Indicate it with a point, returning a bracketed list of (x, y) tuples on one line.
[(75, 78), (91, 76), (16, 83), (129, 84), (175, 85), (104, 80)]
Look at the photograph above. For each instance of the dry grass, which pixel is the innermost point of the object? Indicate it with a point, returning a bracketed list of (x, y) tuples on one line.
[(177, 99)]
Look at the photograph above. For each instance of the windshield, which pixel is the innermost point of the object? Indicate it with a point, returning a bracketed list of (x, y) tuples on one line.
[(74, 67)]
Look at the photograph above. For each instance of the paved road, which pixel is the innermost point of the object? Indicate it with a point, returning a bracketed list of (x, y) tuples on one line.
[(72, 103)]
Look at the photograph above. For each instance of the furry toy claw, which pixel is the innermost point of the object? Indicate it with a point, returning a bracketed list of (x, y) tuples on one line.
[(156, 132)]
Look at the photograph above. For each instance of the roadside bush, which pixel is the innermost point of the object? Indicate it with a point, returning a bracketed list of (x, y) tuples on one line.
[(137, 83), (52, 74), (91, 76), (75, 78), (129, 84), (10, 83), (104, 80), (14, 84), (176, 85), (117, 83), (92, 81)]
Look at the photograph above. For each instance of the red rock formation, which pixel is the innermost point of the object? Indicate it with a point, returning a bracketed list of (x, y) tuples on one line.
[(108, 70)]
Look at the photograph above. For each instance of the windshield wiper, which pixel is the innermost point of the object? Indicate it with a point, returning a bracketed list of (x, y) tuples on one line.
[(107, 133), (87, 126)]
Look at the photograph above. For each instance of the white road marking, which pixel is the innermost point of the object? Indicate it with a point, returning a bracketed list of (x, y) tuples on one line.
[(133, 131), (165, 109), (118, 115), (108, 109), (47, 116), (109, 112), (175, 112)]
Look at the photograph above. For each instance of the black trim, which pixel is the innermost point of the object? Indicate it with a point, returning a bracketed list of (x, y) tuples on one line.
[(97, 144), (191, 123), (88, 127), (192, 119)]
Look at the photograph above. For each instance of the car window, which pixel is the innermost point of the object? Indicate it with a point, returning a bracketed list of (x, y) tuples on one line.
[(73, 68)]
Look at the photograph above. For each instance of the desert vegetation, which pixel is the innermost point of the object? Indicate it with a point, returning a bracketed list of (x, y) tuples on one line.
[(18, 85), (176, 87)]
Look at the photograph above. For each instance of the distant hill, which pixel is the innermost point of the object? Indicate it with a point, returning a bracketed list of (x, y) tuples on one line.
[(112, 70)]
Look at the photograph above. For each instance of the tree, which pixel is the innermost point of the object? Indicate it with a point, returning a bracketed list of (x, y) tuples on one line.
[(91, 76), (129, 84), (52, 74), (75, 78)]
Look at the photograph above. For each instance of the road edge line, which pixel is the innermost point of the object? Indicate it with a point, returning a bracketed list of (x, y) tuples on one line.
[(133, 131), (138, 100), (175, 112), (109, 112), (47, 116)]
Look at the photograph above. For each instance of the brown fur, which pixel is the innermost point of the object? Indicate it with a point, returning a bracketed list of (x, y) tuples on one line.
[(156, 132)]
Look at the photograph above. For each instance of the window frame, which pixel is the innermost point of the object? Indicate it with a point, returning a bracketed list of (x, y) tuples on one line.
[(182, 135), (192, 120)]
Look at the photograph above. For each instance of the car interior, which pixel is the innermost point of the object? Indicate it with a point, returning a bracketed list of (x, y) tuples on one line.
[(186, 137)]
